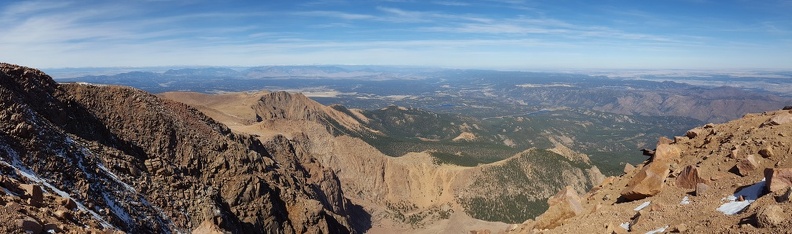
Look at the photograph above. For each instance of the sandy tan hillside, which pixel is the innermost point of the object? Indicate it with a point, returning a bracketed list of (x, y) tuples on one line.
[(411, 192), (690, 185)]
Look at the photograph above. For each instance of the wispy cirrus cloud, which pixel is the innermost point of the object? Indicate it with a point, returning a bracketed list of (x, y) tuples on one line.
[(335, 14), (504, 34)]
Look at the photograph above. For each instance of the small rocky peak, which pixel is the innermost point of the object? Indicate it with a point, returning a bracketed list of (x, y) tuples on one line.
[(26, 79)]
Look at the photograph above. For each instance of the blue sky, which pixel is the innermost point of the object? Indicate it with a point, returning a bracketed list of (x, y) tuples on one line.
[(490, 34)]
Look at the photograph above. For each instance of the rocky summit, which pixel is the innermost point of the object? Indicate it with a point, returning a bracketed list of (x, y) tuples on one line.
[(719, 178), (82, 158)]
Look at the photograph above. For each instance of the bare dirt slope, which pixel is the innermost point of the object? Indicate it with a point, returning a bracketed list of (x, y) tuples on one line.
[(731, 159)]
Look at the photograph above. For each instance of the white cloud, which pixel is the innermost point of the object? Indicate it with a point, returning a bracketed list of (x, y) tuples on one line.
[(126, 34)]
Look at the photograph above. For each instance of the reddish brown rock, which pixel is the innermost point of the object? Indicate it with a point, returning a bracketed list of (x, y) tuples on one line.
[(784, 197), (63, 214), (666, 152), (778, 179), (647, 182), (66, 202), (747, 165), (33, 193), (766, 152), (688, 178), (565, 204), (28, 225)]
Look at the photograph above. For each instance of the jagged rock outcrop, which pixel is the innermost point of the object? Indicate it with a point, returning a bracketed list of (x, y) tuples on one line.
[(413, 190), (134, 162)]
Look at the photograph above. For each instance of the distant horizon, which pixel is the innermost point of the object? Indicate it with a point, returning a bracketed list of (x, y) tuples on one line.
[(74, 72), (488, 34), (418, 66)]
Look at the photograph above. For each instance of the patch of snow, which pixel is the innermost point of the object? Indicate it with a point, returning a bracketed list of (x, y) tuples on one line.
[(659, 230), (115, 177), (625, 225), (750, 193), (685, 201), (162, 216), (643, 205), (90, 84), (85, 152), (30, 175), (117, 210)]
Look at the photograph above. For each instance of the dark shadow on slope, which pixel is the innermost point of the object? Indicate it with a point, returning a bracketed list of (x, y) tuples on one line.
[(359, 218)]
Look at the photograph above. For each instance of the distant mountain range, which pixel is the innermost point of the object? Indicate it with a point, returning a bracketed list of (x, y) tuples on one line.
[(364, 149)]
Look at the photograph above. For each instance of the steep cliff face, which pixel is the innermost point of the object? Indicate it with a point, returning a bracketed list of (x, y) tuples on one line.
[(138, 163)]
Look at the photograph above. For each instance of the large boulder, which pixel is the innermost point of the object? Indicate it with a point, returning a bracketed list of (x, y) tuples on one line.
[(781, 119), (666, 152), (33, 193), (770, 216), (778, 179), (564, 205), (747, 165), (647, 182), (28, 225), (688, 178)]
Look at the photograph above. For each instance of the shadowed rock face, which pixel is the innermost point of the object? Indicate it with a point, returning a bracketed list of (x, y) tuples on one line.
[(143, 164)]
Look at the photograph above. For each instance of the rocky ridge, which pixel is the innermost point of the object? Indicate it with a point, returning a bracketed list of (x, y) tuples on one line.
[(411, 192), (718, 178), (132, 162)]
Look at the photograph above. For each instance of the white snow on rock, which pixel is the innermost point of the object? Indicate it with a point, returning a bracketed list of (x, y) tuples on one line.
[(685, 201), (643, 205), (625, 225), (112, 175), (750, 193), (117, 210), (30, 175)]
